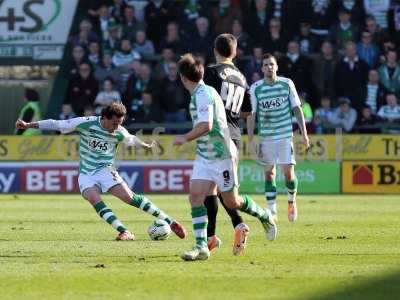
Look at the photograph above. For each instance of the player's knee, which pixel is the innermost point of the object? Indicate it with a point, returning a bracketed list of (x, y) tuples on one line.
[(196, 199), (269, 175), (231, 201)]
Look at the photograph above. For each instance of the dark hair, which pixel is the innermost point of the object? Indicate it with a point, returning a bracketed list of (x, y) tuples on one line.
[(389, 94), (268, 56), (31, 95), (190, 67), (114, 109), (225, 44)]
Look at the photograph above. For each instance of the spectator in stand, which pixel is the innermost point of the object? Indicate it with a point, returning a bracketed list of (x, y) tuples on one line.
[(145, 110), (103, 21), (391, 111), (82, 89), (389, 73), (255, 63), (351, 75), (344, 116), (94, 56), (202, 40), (30, 112), (174, 98), (158, 13), (306, 40), (223, 15), (321, 15), (88, 111), (258, 20), (126, 55), (85, 35), (112, 43), (377, 32), (373, 92), (137, 84), (78, 57), (324, 64), (107, 96), (394, 22), (192, 10), (130, 25), (117, 10), (308, 113), (244, 42), (142, 45), (256, 76), (161, 70), (286, 11), (368, 51), (379, 9), (298, 68), (368, 121), (343, 31), (105, 68), (66, 112), (356, 9), (173, 39), (275, 42), (322, 116)]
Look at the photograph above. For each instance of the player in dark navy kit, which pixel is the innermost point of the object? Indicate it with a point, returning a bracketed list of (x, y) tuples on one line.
[(232, 86)]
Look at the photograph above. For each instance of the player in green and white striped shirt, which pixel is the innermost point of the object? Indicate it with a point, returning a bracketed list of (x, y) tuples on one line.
[(215, 158), (273, 100), (99, 139)]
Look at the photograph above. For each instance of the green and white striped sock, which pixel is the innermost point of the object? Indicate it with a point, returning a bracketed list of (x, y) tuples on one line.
[(270, 195), (108, 215), (292, 189), (252, 208), (200, 221), (146, 205)]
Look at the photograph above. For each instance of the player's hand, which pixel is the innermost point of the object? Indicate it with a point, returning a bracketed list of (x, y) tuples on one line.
[(305, 141), (150, 145), (20, 124), (179, 140)]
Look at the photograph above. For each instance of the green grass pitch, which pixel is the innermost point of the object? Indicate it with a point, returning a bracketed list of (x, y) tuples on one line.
[(342, 247)]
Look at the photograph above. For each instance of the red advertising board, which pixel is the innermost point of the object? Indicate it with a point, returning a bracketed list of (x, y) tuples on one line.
[(167, 178)]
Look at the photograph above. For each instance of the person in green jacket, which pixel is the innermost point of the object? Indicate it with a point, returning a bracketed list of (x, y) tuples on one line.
[(30, 112)]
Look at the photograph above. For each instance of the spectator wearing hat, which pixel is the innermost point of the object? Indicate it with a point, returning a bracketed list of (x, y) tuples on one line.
[(368, 121), (344, 116), (343, 31), (351, 74)]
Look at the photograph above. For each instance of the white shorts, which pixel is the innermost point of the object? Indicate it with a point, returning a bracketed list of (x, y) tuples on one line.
[(277, 152), (105, 179), (222, 172)]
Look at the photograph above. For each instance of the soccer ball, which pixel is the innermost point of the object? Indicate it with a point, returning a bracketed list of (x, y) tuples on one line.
[(159, 230)]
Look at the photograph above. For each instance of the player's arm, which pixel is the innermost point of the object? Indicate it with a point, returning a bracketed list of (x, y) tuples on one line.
[(133, 140), (204, 122), (64, 126), (246, 109), (251, 119), (298, 113)]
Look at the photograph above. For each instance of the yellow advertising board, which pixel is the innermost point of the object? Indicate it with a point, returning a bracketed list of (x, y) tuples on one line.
[(374, 177), (323, 147)]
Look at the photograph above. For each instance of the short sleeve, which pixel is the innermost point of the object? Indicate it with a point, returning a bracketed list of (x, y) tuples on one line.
[(253, 98), (204, 107), (293, 96)]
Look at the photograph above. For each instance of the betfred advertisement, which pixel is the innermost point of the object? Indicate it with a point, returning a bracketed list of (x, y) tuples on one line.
[(9, 180), (376, 177), (314, 177)]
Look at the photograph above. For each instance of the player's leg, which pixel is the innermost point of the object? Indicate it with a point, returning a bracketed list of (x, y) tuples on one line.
[(91, 192), (268, 157), (198, 190), (211, 204), (123, 192), (270, 190), (287, 160)]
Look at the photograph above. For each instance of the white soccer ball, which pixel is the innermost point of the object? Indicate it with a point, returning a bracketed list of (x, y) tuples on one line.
[(159, 230)]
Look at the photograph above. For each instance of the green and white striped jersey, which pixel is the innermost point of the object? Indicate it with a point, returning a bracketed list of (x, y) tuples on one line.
[(273, 105), (97, 147), (206, 106)]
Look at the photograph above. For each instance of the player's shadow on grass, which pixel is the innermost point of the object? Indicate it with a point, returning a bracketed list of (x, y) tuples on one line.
[(385, 287)]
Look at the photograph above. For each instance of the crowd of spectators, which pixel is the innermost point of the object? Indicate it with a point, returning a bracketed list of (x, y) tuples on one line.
[(341, 54)]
